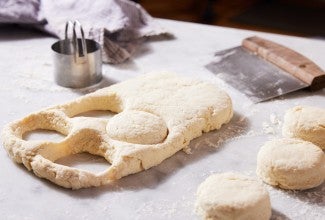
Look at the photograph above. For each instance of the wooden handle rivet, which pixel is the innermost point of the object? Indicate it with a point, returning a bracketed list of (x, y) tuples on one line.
[(302, 65)]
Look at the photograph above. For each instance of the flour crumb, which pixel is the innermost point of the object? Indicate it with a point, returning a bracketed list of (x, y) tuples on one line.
[(273, 126), (187, 150), (268, 129), (274, 119)]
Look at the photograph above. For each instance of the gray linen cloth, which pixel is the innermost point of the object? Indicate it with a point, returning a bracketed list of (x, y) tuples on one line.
[(117, 25)]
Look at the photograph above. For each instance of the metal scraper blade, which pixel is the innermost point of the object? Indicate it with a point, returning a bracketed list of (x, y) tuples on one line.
[(253, 76)]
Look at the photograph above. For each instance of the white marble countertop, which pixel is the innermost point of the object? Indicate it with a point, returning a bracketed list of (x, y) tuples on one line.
[(168, 190)]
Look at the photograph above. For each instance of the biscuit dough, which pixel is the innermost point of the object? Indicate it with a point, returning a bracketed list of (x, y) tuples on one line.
[(291, 164), (232, 196), (307, 123), (157, 115)]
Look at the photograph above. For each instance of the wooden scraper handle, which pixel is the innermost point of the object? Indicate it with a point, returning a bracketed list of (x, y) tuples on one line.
[(292, 62)]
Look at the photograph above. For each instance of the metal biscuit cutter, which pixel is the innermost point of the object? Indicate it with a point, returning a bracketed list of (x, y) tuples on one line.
[(77, 61)]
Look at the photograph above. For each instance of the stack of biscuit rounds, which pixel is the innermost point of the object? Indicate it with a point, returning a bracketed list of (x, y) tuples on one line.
[(296, 161)]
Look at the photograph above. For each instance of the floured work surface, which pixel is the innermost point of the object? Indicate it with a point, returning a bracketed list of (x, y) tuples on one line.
[(158, 115), (166, 191)]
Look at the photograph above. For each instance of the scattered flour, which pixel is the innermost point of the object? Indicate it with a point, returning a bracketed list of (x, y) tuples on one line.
[(302, 203), (273, 126), (167, 209), (41, 82)]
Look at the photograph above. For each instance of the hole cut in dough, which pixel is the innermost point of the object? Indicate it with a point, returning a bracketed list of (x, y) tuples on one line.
[(291, 164), (97, 114), (85, 161), (42, 134), (137, 127), (232, 196)]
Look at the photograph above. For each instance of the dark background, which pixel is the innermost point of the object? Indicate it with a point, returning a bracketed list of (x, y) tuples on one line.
[(292, 17)]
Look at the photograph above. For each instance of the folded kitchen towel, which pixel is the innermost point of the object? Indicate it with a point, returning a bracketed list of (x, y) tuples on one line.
[(117, 25)]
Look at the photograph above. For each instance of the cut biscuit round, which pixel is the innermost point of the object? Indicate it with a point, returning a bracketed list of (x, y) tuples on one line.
[(232, 196), (291, 164), (307, 123), (137, 127)]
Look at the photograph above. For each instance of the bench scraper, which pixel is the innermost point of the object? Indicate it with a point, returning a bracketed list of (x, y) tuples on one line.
[(262, 69)]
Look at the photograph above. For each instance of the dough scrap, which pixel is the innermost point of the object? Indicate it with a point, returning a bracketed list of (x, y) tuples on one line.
[(232, 196), (175, 110), (291, 164), (307, 123)]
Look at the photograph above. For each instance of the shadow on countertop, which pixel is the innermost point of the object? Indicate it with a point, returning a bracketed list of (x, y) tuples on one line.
[(276, 215), (13, 32)]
